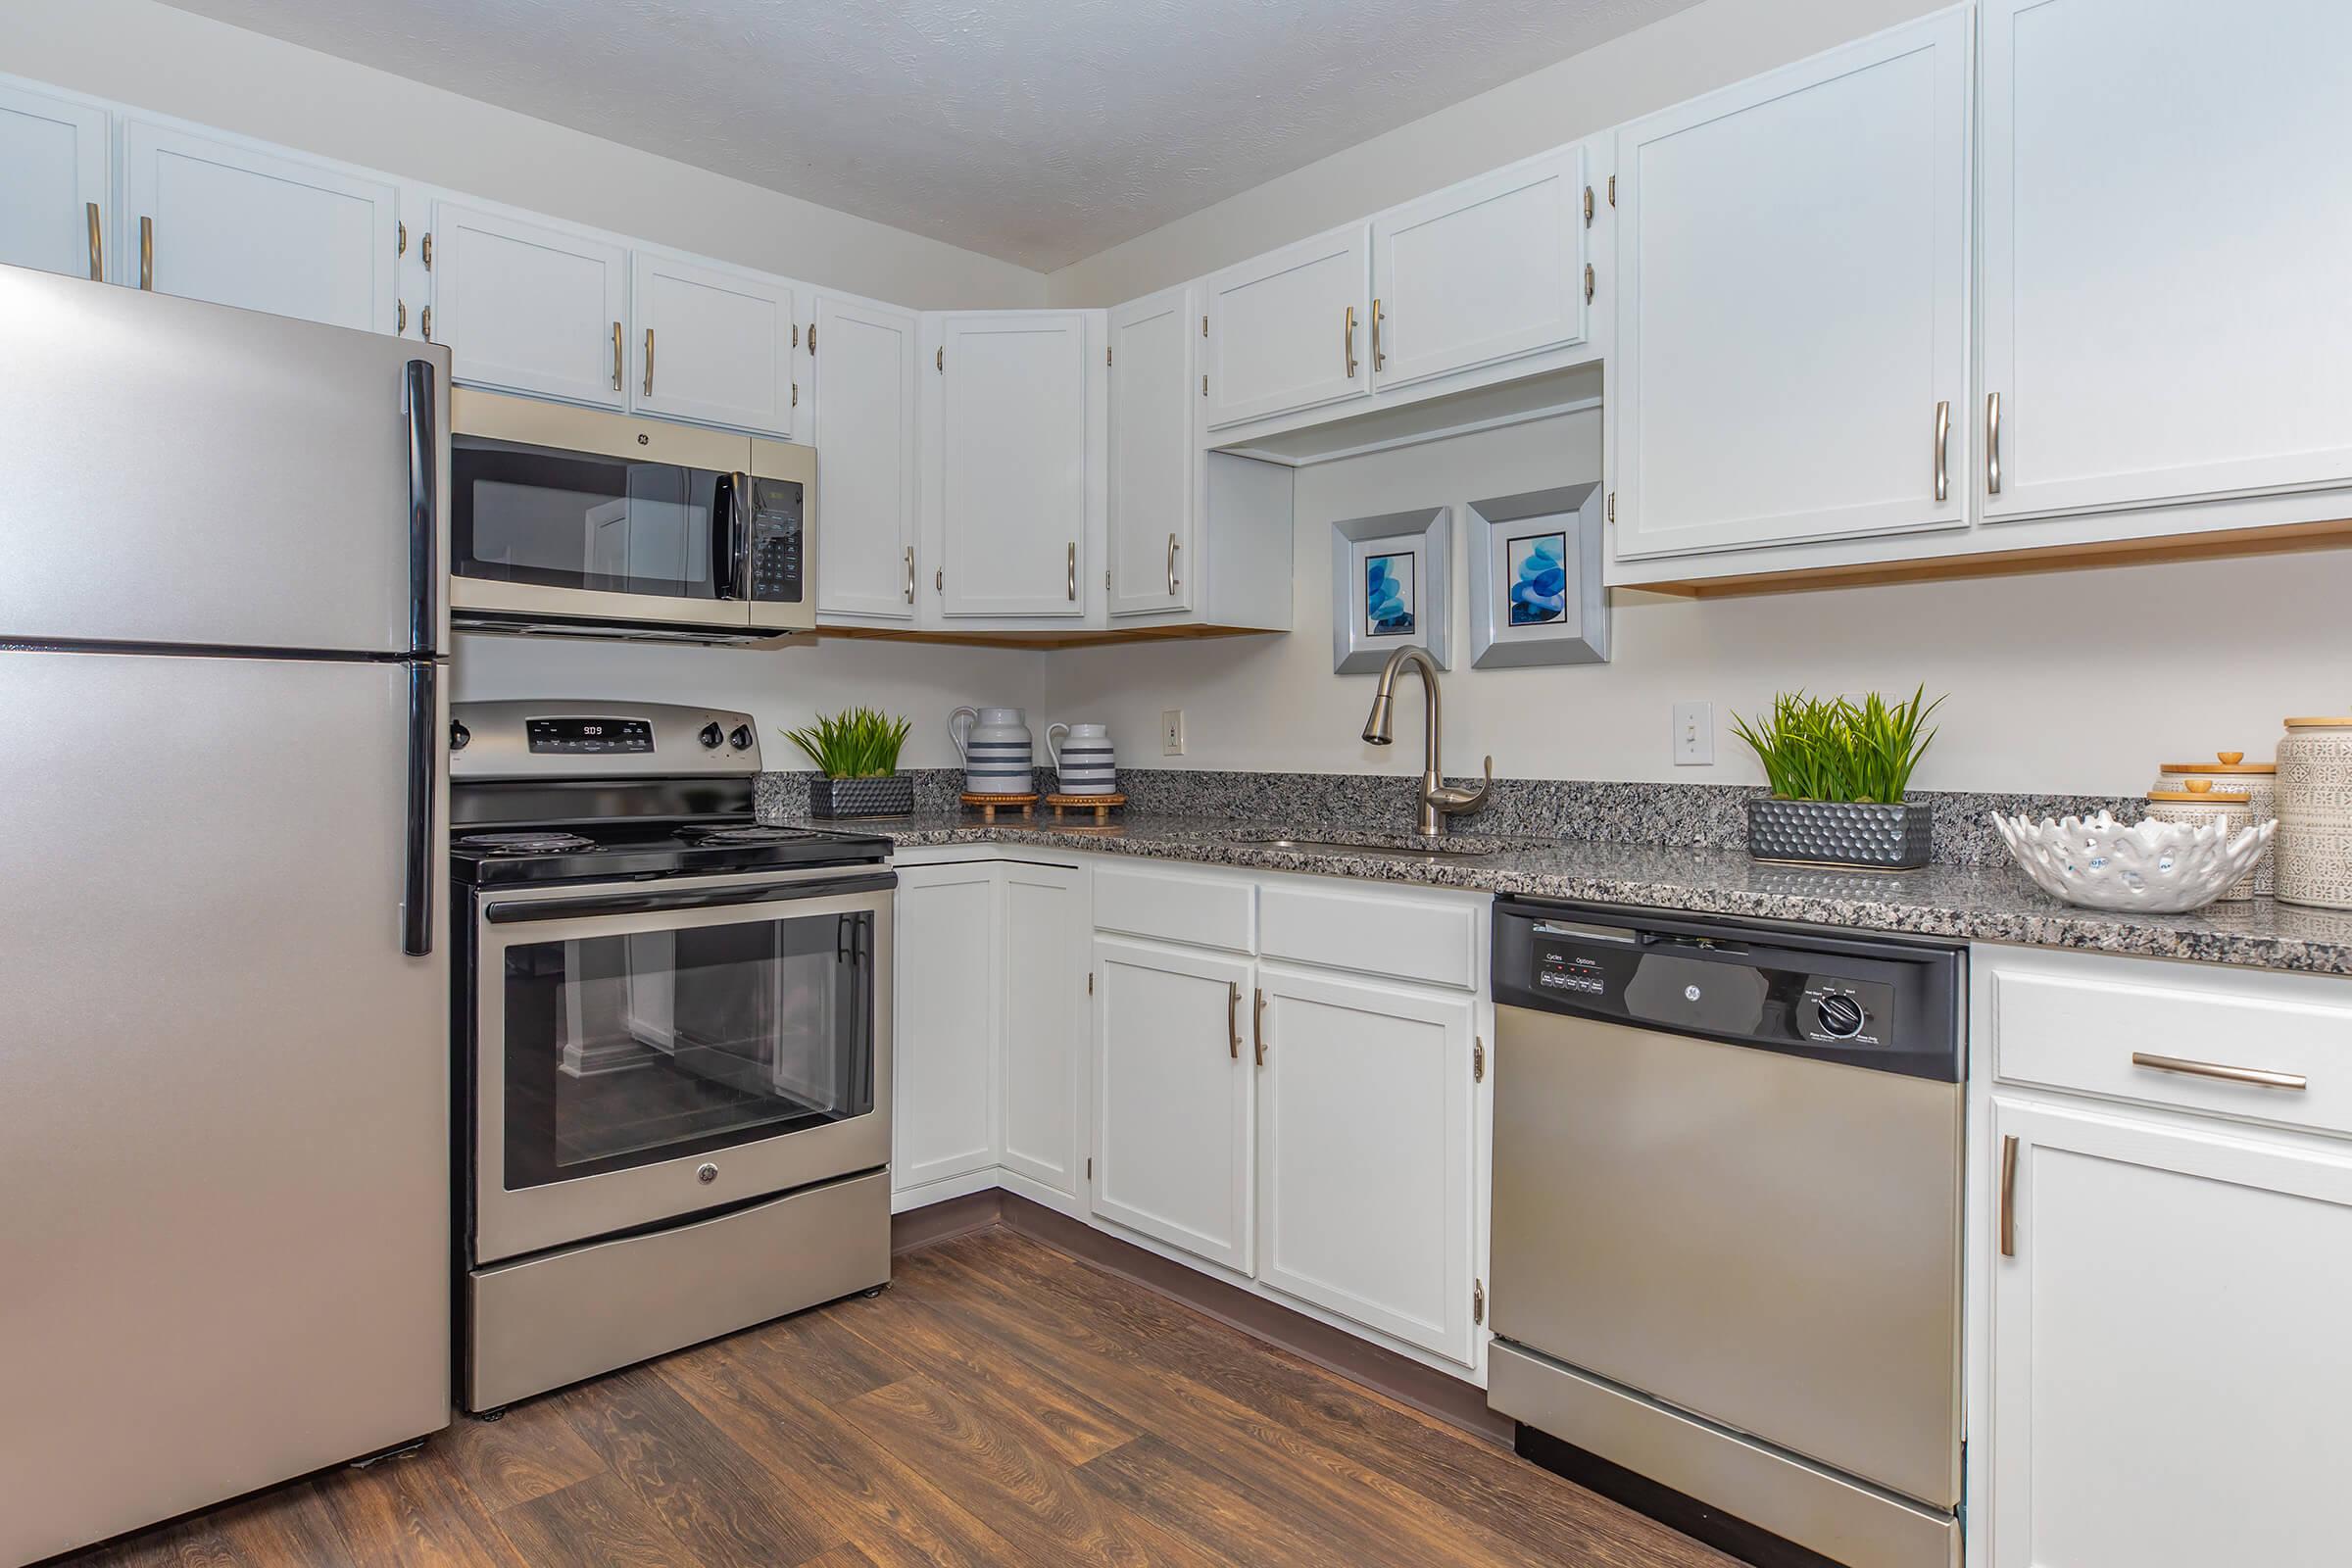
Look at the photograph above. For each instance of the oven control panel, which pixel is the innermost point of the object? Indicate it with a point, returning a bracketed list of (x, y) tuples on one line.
[(545, 735), (776, 555)]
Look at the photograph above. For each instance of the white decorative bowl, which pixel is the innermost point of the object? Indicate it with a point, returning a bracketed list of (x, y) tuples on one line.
[(2154, 867)]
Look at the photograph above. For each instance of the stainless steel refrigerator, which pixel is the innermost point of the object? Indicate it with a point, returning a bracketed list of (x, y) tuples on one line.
[(223, 1000)]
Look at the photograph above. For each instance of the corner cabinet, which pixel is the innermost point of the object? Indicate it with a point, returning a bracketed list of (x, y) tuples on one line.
[(2168, 1374), (209, 218), (54, 208), (861, 360), (1792, 350), (528, 307)]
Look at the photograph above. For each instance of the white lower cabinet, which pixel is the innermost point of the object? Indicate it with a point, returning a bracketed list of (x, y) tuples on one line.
[(1173, 1099), (1364, 1136), (1044, 1023), (944, 1034), (2169, 1380)]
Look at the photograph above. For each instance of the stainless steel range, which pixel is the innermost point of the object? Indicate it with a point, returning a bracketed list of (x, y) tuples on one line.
[(675, 1037)]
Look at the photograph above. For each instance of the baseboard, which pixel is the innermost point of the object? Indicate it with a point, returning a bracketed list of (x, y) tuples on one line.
[(1334, 1350)]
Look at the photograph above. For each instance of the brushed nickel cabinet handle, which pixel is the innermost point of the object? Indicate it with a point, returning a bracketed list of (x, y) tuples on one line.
[(1172, 563), (649, 361), (1073, 571), (146, 252), (97, 246), (1378, 358), (910, 574), (1232, 1018), (1257, 1025), (2009, 1195), (1943, 433), (1992, 443), (615, 356), (1348, 343), (2259, 1077)]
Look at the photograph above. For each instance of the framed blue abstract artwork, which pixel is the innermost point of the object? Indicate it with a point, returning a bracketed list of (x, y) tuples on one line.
[(1389, 587), (1535, 579), (1389, 594), (1539, 578)]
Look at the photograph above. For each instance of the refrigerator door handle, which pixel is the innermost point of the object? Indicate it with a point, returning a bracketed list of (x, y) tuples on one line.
[(425, 489), (425, 744)]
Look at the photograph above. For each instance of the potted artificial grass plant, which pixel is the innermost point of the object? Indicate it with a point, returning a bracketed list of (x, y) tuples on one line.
[(856, 752), (1839, 772)]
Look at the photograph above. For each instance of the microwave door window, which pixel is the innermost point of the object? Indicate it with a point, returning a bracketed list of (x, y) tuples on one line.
[(563, 520)]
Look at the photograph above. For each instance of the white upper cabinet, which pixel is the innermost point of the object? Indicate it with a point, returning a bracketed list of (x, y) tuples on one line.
[(1791, 341), (528, 308), (863, 367), (214, 220), (1291, 329), (1008, 451), (2168, 207), (1489, 270), (1153, 458), (713, 345), (53, 179)]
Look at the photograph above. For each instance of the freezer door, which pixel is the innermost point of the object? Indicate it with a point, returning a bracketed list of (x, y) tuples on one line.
[(224, 1239), (184, 473)]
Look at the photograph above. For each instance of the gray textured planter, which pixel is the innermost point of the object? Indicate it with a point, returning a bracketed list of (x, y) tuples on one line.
[(862, 797), (1878, 838)]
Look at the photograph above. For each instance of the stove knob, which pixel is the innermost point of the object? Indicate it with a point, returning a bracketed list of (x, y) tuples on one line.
[(1840, 1017), (741, 740), (459, 735), (711, 736)]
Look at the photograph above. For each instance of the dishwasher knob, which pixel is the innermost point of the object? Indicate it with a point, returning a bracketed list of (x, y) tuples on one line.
[(711, 736), (1839, 1018)]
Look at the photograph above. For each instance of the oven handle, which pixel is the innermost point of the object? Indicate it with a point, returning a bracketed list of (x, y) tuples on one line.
[(650, 902)]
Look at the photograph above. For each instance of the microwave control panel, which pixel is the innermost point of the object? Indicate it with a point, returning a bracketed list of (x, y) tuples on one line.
[(777, 552)]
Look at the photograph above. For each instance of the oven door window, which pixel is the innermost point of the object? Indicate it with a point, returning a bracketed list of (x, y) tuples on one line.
[(570, 519), (633, 1049)]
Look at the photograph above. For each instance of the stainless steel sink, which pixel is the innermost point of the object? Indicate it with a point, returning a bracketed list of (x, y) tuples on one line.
[(1397, 849)]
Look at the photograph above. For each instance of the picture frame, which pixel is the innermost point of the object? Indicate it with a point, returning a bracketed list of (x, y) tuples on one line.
[(1536, 595), (1391, 587)]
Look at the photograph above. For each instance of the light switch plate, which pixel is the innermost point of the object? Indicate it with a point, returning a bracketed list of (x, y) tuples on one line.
[(1171, 732), (1693, 734)]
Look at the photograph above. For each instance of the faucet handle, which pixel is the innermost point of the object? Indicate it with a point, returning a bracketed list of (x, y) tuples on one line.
[(1454, 801)]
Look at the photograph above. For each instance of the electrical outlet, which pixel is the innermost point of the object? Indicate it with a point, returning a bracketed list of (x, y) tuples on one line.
[(1171, 732), (1693, 734)]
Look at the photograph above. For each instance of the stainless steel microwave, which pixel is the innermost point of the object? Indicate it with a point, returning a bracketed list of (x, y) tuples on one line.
[(590, 523)]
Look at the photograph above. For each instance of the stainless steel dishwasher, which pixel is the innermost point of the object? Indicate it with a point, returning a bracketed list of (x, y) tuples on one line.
[(1727, 1220)]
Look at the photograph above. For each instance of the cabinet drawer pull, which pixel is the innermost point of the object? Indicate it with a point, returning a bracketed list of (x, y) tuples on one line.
[(1232, 1018), (2009, 1195), (97, 246), (1171, 563), (2259, 1078), (1944, 432), (146, 252), (1992, 443), (1348, 343), (615, 356)]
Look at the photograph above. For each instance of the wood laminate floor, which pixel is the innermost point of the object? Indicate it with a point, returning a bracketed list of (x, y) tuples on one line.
[(1002, 1403)]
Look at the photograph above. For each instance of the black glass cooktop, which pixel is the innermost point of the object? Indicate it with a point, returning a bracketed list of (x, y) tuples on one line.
[(509, 855)]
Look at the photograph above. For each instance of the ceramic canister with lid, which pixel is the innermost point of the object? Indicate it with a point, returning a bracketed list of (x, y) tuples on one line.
[(2315, 813), (1082, 758), (2230, 770), (994, 743), (2198, 803)]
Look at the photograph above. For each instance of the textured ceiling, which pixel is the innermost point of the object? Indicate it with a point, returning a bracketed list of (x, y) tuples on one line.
[(1040, 131)]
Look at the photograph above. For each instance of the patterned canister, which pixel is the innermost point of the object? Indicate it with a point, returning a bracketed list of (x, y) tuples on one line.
[(2315, 813), (2230, 770), (2198, 803), (1082, 758), (994, 743)]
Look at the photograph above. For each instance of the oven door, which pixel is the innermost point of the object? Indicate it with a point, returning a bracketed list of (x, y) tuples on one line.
[(644, 1051)]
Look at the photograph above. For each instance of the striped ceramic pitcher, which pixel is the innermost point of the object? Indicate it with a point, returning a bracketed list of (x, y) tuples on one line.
[(994, 743)]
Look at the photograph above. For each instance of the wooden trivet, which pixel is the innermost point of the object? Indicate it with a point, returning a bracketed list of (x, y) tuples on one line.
[(1100, 804), (988, 806)]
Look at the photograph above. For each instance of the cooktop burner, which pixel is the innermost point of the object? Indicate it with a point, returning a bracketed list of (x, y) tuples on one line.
[(749, 835), (524, 842)]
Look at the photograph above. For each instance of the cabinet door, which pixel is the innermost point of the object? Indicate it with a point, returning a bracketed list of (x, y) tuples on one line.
[(1153, 453), (529, 307), (1291, 330), (944, 1045), (1172, 1098), (210, 220), (1364, 1134), (1012, 452), (1793, 302), (52, 185), (713, 345), (866, 451), (2169, 1379), (1045, 1023), (1490, 270), (2167, 210)]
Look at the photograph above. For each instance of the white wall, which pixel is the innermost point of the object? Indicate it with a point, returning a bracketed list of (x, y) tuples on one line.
[(171, 63), (2076, 681), (1692, 52)]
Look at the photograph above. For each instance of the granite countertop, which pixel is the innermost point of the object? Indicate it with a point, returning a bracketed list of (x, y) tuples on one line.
[(1968, 902)]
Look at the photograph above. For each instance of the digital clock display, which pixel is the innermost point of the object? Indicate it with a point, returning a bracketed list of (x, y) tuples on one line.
[(589, 734)]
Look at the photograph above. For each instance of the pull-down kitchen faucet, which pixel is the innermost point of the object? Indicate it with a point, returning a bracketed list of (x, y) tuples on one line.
[(1437, 797)]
